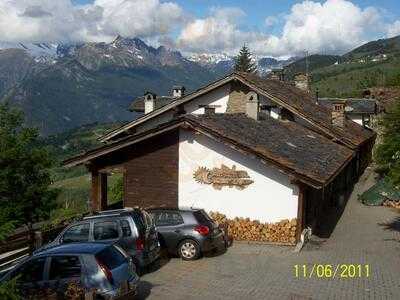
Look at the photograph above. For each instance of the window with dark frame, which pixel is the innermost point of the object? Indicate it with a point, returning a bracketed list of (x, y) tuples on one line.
[(167, 218), (126, 228), (106, 230), (77, 233), (62, 267), (31, 271)]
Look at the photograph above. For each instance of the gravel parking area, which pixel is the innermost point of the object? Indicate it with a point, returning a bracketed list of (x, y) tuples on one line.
[(364, 235)]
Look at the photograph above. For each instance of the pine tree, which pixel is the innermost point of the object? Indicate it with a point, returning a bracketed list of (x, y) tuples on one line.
[(387, 154), (25, 193), (244, 61)]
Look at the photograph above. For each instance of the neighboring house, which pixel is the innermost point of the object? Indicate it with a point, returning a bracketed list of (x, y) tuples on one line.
[(243, 146), (150, 101), (361, 111)]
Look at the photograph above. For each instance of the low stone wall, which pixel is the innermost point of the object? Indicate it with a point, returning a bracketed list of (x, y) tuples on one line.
[(244, 229)]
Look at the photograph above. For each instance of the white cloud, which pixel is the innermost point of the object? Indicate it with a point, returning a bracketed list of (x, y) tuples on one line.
[(393, 29), (334, 26), (218, 32), (49, 20)]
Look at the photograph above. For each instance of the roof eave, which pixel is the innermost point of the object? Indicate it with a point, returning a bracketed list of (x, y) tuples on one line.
[(101, 151)]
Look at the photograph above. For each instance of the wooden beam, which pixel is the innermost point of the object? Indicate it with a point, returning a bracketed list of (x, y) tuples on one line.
[(95, 187), (103, 191), (300, 210)]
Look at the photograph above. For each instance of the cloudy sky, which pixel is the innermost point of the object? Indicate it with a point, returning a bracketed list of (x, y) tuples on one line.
[(269, 27)]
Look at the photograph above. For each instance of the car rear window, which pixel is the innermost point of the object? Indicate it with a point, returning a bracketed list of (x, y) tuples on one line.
[(140, 223), (167, 218), (202, 217), (110, 257), (126, 228)]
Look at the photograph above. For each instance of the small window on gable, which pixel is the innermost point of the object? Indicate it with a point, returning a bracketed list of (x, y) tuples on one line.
[(265, 110), (209, 109)]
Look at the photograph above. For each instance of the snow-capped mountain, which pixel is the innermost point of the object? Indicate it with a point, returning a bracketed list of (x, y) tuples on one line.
[(63, 86), (224, 62), (41, 52), (207, 58)]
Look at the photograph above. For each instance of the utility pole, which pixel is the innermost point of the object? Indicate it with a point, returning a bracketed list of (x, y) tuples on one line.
[(307, 65)]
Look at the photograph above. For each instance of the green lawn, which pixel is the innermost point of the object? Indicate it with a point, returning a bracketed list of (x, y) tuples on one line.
[(75, 194)]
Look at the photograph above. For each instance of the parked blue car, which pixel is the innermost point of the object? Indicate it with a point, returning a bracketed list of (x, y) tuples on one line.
[(93, 266)]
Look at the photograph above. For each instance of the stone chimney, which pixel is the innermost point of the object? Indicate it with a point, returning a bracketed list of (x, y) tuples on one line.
[(338, 114), (178, 91), (302, 81), (252, 106), (149, 102)]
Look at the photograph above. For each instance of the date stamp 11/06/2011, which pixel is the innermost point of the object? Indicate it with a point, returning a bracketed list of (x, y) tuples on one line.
[(332, 271)]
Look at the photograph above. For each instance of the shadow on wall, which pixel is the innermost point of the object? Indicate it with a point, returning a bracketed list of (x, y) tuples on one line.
[(331, 214)]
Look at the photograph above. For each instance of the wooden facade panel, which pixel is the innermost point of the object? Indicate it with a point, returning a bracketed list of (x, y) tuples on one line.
[(152, 173)]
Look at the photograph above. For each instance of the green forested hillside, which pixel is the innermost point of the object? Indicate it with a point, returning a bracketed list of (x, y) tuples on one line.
[(314, 62), (374, 48), (350, 79), (373, 64)]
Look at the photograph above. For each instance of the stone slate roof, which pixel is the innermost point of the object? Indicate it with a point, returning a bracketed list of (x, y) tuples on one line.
[(299, 150), (137, 104), (305, 104), (294, 149), (294, 99), (357, 106)]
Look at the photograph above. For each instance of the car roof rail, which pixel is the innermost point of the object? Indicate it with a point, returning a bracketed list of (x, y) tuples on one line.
[(100, 216), (112, 212)]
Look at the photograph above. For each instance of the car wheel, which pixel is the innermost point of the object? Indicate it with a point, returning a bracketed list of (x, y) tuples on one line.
[(189, 250)]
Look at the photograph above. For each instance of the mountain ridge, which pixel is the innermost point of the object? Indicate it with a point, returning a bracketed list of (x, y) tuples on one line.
[(63, 86)]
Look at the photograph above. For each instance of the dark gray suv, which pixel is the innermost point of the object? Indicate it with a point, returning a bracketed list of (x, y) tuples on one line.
[(187, 232), (132, 229)]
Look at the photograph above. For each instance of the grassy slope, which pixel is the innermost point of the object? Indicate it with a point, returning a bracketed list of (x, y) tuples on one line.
[(74, 183), (75, 193), (350, 79)]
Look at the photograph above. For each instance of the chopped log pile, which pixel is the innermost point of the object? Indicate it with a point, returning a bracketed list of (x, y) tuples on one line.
[(243, 229), (392, 203)]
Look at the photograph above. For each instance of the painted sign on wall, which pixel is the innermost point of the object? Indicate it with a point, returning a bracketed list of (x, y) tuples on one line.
[(224, 176)]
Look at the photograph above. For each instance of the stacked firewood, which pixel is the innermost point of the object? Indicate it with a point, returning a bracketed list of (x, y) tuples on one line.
[(391, 203), (244, 229)]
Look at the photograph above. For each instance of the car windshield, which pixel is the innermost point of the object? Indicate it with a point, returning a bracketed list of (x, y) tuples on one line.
[(110, 257)]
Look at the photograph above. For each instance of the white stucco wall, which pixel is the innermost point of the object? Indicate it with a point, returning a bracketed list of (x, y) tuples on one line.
[(356, 118), (270, 198), (218, 97), (275, 112)]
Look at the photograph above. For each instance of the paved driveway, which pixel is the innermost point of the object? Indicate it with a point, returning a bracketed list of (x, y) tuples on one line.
[(267, 272)]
